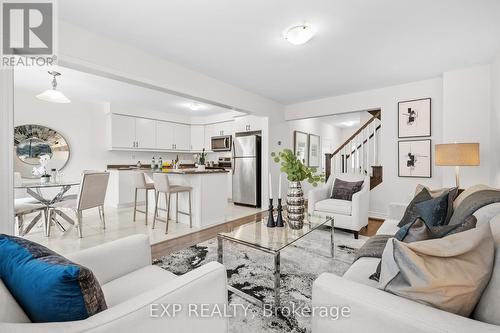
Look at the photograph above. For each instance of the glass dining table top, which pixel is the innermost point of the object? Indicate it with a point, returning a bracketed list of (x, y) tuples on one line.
[(35, 183), (257, 234)]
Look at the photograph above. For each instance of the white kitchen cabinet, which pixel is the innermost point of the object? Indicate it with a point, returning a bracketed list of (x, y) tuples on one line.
[(126, 132), (172, 136), (131, 132), (198, 138), (182, 137), (145, 133), (247, 124), (121, 131), (165, 135), (226, 128)]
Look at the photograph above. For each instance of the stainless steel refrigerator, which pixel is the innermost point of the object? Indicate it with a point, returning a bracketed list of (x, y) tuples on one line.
[(247, 170)]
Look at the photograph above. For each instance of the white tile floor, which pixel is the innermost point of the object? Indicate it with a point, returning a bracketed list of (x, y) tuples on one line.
[(119, 224)]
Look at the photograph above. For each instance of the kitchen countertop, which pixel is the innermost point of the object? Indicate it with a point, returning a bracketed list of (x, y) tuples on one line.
[(189, 171), (185, 171)]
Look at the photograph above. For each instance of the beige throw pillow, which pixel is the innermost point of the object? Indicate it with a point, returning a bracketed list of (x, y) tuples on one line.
[(448, 273), (469, 191)]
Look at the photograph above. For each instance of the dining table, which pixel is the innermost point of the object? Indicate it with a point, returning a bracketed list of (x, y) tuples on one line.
[(34, 189)]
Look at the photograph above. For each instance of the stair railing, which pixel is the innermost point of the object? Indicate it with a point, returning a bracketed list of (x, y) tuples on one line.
[(359, 152)]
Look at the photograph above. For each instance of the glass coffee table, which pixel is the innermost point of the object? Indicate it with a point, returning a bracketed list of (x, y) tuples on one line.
[(270, 240)]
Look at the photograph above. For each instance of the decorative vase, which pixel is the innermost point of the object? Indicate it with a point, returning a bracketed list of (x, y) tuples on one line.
[(45, 179), (201, 167), (295, 206)]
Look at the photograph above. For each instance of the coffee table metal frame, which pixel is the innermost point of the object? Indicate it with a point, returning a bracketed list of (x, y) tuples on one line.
[(276, 255)]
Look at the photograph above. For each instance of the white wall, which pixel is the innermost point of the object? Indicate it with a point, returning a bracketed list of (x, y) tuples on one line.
[(495, 121), (6, 139), (465, 108), (330, 138), (467, 114), (393, 188), (83, 125)]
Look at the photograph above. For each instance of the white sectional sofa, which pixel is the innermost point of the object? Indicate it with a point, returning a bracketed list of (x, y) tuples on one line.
[(374, 310), (130, 285)]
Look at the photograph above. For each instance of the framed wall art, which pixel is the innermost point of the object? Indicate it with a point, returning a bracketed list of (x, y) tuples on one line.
[(414, 158), (301, 146), (314, 150), (414, 118)]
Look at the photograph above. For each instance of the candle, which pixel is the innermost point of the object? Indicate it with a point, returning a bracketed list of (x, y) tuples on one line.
[(279, 188), (270, 186)]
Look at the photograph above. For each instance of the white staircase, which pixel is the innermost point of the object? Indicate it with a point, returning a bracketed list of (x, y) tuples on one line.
[(360, 153)]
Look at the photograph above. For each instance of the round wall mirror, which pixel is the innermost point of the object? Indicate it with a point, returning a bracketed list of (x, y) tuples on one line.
[(33, 141)]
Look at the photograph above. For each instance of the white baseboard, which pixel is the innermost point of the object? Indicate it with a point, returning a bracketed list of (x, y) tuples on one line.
[(377, 215)]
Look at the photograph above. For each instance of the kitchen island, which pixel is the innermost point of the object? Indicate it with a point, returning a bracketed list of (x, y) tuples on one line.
[(209, 194)]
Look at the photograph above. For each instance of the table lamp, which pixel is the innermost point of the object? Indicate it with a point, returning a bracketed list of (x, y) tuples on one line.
[(457, 155)]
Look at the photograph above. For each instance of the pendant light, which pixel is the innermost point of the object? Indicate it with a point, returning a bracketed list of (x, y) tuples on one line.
[(53, 95)]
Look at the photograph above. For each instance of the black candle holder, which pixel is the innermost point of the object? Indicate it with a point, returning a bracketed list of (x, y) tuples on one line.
[(279, 218), (270, 216)]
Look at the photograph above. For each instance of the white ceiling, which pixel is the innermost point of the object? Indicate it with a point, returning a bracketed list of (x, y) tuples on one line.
[(87, 87), (360, 44)]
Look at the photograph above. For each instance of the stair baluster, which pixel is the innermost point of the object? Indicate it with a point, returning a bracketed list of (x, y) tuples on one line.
[(359, 153)]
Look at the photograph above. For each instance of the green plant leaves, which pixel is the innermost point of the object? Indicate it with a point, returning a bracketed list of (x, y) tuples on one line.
[(295, 169)]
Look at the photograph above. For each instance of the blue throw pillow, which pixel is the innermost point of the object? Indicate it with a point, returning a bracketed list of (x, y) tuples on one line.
[(434, 211), (48, 287)]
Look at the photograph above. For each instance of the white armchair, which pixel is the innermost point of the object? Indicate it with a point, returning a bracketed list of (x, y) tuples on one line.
[(349, 215), (130, 285)]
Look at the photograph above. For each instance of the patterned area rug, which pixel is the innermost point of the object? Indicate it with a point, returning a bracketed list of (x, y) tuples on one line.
[(250, 270)]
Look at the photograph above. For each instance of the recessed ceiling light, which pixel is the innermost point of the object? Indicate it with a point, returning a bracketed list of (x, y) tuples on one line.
[(194, 106), (299, 34), (348, 123)]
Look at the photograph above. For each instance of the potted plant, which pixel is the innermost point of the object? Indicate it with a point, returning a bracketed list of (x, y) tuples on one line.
[(201, 160), (296, 173)]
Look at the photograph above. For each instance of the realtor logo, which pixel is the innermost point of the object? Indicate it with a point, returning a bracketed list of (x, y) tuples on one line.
[(27, 33)]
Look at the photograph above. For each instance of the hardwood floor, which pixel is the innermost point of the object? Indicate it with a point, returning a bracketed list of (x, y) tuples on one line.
[(175, 244), (178, 243), (373, 225)]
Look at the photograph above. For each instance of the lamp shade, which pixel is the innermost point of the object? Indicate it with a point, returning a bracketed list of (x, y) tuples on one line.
[(457, 154), (53, 96)]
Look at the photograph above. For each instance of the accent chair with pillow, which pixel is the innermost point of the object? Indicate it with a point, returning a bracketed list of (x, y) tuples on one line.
[(348, 214), (134, 290), (378, 310)]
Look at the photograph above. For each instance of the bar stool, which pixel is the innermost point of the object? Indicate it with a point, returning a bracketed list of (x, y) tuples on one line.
[(162, 185), (140, 183)]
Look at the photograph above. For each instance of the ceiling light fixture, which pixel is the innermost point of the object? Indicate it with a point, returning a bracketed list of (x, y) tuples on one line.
[(299, 34), (348, 123), (195, 106), (53, 95)]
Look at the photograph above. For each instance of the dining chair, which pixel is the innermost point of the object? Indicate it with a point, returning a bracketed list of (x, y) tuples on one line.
[(24, 205), (140, 183), (162, 185), (92, 194)]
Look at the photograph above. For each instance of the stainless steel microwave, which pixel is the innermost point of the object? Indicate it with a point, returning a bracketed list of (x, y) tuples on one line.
[(221, 143)]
